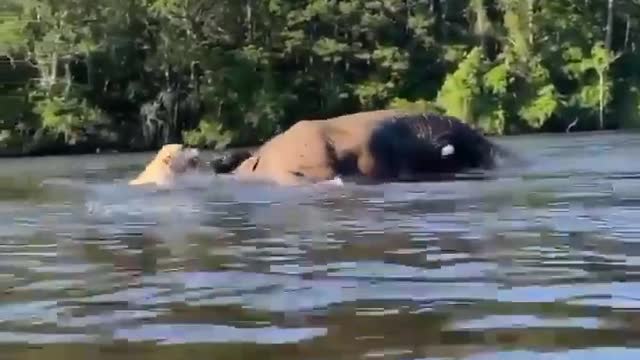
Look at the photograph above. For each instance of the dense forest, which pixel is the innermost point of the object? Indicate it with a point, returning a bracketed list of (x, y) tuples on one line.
[(78, 75)]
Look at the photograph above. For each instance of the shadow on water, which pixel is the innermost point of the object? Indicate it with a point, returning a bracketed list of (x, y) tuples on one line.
[(531, 262)]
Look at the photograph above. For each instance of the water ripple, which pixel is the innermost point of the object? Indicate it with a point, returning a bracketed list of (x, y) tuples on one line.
[(539, 261)]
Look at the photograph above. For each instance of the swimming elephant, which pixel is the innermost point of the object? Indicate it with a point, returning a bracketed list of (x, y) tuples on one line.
[(382, 145)]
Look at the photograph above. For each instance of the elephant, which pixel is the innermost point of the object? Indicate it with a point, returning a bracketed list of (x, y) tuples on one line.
[(379, 145)]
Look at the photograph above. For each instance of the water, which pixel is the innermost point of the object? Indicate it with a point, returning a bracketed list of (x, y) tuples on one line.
[(535, 262)]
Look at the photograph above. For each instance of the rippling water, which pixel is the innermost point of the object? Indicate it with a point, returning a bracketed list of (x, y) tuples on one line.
[(536, 262)]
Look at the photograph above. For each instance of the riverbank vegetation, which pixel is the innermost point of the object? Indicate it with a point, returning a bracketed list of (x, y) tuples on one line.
[(76, 75)]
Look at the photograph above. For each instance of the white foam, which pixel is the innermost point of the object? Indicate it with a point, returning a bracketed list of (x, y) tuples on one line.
[(337, 181)]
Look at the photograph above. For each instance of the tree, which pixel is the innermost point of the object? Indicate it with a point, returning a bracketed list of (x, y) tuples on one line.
[(137, 74)]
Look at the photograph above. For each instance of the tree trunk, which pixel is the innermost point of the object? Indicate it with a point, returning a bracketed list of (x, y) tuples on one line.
[(67, 77), (248, 22), (607, 43), (609, 34), (53, 71), (626, 33), (90, 74), (530, 7), (481, 24), (601, 112)]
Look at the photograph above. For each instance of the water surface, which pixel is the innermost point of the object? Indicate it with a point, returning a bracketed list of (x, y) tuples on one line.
[(535, 262)]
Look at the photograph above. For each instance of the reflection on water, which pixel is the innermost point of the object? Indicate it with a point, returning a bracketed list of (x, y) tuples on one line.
[(533, 262)]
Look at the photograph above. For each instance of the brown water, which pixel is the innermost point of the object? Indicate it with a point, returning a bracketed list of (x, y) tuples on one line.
[(541, 261)]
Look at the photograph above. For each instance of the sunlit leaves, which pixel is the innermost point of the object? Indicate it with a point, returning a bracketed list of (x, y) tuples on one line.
[(420, 105), (391, 58), (496, 64), (371, 93), (210, 131), (517, 23), (461, 88), (540, 107), (329, 49), (12, 25), (66, 116), (497, 79)]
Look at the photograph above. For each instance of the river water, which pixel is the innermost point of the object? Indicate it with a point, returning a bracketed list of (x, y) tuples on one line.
[(540, 260)]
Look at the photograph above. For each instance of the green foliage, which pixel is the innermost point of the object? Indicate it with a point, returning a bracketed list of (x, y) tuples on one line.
[(11, 36), (628, 109), (372, 93), (415, 106), (497, 79), (209, 132), (540, 107), (540, 99), (66, 116), (13, 105), (461, 89), (240, 71)]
